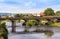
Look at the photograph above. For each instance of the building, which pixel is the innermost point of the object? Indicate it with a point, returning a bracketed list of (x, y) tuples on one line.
[(41, 14), (4, 15), (36, 14)]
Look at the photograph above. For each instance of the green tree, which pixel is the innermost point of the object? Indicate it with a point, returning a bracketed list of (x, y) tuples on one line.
[(29, 24), (17, 15), (49, 12), (43, 22), (28, 15), (4, 31), (57, 13), (49, 33), (21, 15), (50, 22)]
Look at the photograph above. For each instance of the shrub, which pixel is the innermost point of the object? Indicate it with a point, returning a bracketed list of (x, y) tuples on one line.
[(31, 23), (49, 33), (42, 22), (4, 31), (51, 22)]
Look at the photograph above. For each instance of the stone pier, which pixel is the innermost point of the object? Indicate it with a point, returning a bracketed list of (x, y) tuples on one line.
[(13, 25)]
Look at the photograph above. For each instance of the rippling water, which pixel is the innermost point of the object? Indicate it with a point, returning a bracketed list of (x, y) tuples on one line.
[(56, 33)]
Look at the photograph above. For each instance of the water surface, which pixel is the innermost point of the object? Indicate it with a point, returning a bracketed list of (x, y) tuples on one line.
[(55, 34)]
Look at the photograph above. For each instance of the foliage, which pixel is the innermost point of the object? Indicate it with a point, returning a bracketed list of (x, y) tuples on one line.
[(51, 22), (31, 23), (17, 15), (28, 16), (21, 15), (4, 31), (24, 15), (55, 25), (49, 12), (57, 13), (42, 22), (49, 33)]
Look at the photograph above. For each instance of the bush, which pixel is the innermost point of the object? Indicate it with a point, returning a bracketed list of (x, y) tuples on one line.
[(49, 33), (31, 23), (42, 22), (51, 22), (4, 31)]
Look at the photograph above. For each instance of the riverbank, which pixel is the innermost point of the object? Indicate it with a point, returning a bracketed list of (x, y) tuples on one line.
[(11, 35), (55, 25)]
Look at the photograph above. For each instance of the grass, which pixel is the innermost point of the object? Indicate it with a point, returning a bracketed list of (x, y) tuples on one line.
[(55, 25)]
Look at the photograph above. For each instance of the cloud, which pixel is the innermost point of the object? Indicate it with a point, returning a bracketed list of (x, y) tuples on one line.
[(55, 7), (27, 6), (28, 3), (44, 1), (13, 0), (2, 0), (7, 8), (13, 9)]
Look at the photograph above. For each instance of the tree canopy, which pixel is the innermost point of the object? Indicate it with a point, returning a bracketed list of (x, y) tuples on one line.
[(49, 12), (57, 13), (31, 23), (4, 31)]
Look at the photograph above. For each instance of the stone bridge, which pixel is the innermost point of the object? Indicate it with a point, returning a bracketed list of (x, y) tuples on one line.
[(13, 20)]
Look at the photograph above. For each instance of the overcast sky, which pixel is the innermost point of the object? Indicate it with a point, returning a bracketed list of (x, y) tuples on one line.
[(25, 6)]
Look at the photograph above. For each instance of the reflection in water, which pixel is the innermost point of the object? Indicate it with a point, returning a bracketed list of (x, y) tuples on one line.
[(52, 33), (49, 33)]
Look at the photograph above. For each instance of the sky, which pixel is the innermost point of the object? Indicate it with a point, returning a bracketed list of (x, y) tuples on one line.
[(28, 6)]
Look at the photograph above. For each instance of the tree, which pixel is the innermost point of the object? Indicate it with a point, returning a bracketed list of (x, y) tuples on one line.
[(17, 15), (49, 12), (42, 22), (29, 24), (28, 15), (4, 31), (49, 33), (57, 13)]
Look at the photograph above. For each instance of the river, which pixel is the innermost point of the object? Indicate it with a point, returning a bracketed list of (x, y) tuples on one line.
[(55, 35)]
